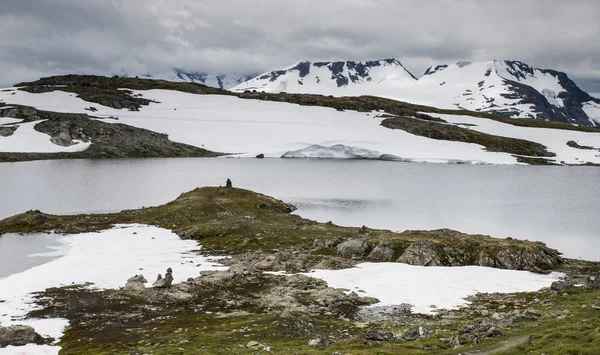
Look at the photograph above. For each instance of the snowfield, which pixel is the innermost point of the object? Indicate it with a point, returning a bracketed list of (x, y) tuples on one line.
[(555, 140), (27, 139), (247, 128), (106, 259), (426, 286)]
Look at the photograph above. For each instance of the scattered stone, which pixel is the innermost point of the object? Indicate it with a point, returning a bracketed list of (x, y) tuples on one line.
[(526, 315), (166, 282), (19, 335), (228, 183)]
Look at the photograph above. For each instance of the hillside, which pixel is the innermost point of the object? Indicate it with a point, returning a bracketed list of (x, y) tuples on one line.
[(300, 125)]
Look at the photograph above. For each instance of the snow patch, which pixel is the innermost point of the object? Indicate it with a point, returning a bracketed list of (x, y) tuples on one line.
[(554, 139), (424, 286), (338, 151), (106, 259), (27, 139)]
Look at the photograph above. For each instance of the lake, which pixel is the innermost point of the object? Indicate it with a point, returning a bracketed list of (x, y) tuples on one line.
[(557, 205)]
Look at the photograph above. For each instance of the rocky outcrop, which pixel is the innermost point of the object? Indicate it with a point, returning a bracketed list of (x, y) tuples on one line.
[(19, 335), (165, 282), (109, 140), (354, 248), (384, 251), (420, 253)]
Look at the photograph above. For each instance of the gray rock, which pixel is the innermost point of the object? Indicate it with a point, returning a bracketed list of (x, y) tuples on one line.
[(411, 334), (19, 335), (228, 183), (136, 283), (7, 131), (384, 251), (317, 342), (318, 244), (526, 315), (561, 286), (260, 156), (63, 139), (378, 336), (352, 248), (420, 253), (166, 282), (592, 282)]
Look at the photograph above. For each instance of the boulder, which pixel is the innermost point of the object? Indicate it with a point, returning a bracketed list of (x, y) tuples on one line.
[(378, 336), (592, 282), (228, 183), (352, 248), (136, 283), (420, 253), (384, 251), (19, 335), (260, 156), (411, 334), (164, 282)]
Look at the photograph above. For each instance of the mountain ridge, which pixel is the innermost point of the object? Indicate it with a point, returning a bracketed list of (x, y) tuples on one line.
[(507, 88)]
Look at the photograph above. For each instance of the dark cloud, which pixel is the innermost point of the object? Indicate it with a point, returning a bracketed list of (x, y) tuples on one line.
[(45, 37)]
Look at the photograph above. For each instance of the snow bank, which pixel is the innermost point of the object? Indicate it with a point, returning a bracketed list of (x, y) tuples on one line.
[(555, 139), (106, 259), (9, 120), (338, 151), (251, 127), (27, 139), (423, 286)]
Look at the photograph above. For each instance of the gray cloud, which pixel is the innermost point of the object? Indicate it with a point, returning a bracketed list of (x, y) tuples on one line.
[(47, 37)]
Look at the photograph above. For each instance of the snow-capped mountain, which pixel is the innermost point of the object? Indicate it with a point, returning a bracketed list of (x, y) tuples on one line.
[(507, 88), (332, 78), (222, 81)]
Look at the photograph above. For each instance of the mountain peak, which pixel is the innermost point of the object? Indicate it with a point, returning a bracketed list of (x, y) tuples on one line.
[(341, 76)]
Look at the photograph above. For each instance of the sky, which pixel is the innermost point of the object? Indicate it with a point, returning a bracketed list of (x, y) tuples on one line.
[(135, 37)]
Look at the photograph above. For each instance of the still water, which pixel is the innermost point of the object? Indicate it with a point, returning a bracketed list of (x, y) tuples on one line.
[(557, 205)]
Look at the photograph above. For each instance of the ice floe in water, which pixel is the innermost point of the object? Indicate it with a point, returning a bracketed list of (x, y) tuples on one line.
[(106, 259), (424, 286)]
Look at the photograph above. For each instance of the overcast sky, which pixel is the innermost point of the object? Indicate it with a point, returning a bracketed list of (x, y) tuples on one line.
[(47, 37)]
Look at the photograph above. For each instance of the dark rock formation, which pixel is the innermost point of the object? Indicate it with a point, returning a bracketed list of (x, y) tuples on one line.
[(19, 335), (228, 183), (165, 282)]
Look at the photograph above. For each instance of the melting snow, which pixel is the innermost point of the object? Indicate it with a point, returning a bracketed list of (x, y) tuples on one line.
[(27, 139), (424, 286), (106, 259)]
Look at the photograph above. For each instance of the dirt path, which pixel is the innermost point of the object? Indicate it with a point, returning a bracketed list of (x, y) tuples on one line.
[(505, 345)]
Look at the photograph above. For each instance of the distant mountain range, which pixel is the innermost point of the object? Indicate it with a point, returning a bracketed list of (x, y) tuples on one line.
[(507, 88), (221, 81)]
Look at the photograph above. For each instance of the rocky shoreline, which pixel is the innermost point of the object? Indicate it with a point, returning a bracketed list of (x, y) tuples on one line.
[(253, 308)]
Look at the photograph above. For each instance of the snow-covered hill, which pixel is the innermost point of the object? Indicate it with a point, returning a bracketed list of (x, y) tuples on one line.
[(508, 88), (248, 127), (221, 81)]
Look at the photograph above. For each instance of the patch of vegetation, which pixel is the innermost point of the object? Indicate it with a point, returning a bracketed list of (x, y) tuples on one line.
[(233, 221), (576, 145), (450, 132)]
